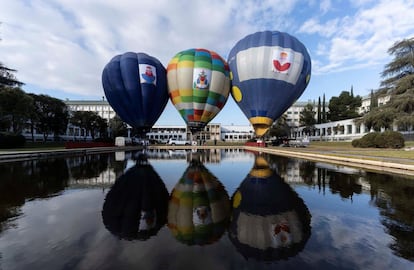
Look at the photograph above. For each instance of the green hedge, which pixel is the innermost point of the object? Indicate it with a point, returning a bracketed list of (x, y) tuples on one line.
[(11, 141), (386, 139)]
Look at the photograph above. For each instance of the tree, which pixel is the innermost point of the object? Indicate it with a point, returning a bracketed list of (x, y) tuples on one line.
[(7, 79), (324, 115), (373, 100), (398, 82), (344, 107), (91, 122), (307, 118), (280, 128), (52, 116), (117, 126), (96, 124), (15, 109), (319, 120)]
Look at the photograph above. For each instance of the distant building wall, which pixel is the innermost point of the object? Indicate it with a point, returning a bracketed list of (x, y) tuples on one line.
[(338, 130)]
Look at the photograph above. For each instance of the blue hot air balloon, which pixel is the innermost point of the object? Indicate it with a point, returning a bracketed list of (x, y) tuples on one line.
[(135, 85), (269, 71), (269, 220)]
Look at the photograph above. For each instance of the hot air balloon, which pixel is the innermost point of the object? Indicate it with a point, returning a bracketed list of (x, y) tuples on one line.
[(269, 220), (135, 85), (199, 207), (198, 85), (136, 205), (269, 71)]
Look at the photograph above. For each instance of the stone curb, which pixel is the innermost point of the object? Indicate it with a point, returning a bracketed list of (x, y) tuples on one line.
[(376, 165)]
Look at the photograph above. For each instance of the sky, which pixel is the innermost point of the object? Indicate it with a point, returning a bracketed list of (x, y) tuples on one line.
[(60, 47)]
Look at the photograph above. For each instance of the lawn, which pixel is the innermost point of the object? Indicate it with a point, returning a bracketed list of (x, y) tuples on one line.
[(341, 148)]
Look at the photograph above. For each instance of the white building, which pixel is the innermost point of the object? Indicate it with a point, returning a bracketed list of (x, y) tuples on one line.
[(366, 103), (339, 130), (235, 133), (101, 107)]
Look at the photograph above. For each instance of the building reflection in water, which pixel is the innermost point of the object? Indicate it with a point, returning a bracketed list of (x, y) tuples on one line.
[(199, 207), (269, 220)]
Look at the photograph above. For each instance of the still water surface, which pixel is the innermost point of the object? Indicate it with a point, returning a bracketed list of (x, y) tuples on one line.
[(223, 209)]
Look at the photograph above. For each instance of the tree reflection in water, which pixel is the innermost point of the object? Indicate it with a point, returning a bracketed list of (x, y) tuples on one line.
[(394, 196), (29, 180), (43, 178)]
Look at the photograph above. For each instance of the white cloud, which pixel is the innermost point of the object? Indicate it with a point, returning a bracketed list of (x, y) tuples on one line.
[(65, 44), (325, 5), (313, 26), (361, 39)]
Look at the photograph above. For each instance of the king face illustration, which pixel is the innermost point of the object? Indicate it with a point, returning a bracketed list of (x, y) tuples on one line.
[(202, 80), (281, 61), (147, 73)]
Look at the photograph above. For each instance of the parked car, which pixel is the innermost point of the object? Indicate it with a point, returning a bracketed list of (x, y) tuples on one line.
[(178, 142), (139, 141), (299, 142)]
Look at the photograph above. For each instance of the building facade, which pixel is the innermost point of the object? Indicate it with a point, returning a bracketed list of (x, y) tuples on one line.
[(339, 130)]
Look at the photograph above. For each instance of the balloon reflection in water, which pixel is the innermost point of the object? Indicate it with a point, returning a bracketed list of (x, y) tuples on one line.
[(269, 220), (199, 208), (136, 206)]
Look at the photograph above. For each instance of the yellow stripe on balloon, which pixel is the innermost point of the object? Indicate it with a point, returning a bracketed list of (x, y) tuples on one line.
[(261, 173), (185, 64), (261, 124), (172, 64), (176, 100)]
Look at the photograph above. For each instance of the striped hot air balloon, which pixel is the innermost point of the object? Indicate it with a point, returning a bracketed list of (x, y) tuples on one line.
[(269, 71), (199, 207), (198, 85)]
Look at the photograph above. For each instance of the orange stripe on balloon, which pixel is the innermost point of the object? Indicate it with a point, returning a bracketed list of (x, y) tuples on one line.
[(174, 93)]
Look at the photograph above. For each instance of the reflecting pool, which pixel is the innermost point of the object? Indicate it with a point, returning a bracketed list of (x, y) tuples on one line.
[(214, 209)]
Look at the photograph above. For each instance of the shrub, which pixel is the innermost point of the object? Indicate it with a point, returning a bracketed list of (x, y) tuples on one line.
[(387, 139), (11, 141), (356, 143), (393, 139)]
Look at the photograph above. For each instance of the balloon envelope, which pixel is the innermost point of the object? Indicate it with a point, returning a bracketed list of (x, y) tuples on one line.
[(269, 220), (135, 85), (199, 207), (136, 205), (198, 85), (269, 71)]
